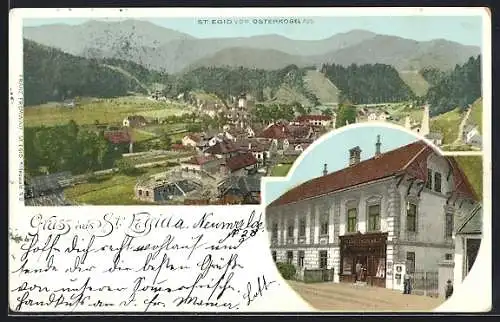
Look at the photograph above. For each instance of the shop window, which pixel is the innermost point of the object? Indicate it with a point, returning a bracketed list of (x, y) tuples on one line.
[(380, 268), (347, 265)]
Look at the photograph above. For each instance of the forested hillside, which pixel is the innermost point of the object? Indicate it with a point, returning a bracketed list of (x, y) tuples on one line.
[(51, 75), (144, 74), (230, 81), (366, 84), (67, 147), (458, 88)]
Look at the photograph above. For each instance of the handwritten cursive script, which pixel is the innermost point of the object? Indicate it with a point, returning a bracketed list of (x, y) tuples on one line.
[(137, 262)]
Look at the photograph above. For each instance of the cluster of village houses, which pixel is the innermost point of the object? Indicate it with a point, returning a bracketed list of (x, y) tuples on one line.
[(405, 211), (229, 162)]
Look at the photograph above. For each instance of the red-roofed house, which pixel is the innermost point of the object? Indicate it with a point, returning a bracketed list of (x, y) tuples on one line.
[(277, 131), (201, 162), (222, 149), (282, 134), (118, 136), (321, 120), (241, 164), (191, 140), (394, 211), (261, 149)]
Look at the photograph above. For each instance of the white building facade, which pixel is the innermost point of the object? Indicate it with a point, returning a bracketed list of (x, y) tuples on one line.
[(400, 216)]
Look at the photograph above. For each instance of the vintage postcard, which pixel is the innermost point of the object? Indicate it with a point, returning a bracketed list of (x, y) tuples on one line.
[(347, 148)]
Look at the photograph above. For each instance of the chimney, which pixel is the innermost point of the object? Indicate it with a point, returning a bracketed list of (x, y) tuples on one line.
[(354, 156), (377, 146), (325, 170)]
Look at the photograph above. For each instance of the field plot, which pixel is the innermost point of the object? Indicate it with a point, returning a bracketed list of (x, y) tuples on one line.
[(476, 115), (447, 124), (108, 189), (400, 111), (280, 170), (415, 81), (102, 111), (139, 135)]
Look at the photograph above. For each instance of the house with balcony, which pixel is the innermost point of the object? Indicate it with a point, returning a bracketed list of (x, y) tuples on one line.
[(395, 209)]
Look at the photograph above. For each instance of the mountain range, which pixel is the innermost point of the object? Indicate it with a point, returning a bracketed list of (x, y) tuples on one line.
[(172, 51)]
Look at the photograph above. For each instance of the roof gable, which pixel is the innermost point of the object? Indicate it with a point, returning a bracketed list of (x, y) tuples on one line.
[(241, 161)]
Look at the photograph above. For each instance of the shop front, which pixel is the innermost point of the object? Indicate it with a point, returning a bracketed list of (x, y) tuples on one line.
[(363, 258)]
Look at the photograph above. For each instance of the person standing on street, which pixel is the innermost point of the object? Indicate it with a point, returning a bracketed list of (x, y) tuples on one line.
[(406, 283), (358, 271)]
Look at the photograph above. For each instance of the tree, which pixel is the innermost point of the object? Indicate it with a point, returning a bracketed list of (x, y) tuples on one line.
[(299, 108), (194, 127), (165, 141), (363, 84), (456, 89), (328, 112), (346, 113), (124, 166)]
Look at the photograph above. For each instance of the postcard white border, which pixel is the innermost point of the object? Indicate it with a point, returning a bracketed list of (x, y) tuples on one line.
[(16, 17)]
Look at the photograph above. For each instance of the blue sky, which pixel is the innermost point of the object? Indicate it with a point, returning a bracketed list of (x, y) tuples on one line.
[(463, 29), (334, 151)]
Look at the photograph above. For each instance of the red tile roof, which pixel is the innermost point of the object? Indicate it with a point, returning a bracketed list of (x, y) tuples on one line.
[(222, 147), (200, 159), (388, 164), (275, 131), (241, 161), (255, 145), (299, 131), (119, 136), (307, 118), (281, 131)]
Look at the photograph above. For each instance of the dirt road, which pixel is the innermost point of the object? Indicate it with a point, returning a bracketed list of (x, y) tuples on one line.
[(351, 298), (461, 126)]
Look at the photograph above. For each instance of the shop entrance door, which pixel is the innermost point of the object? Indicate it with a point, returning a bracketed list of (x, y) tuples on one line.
[(361, 261)]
